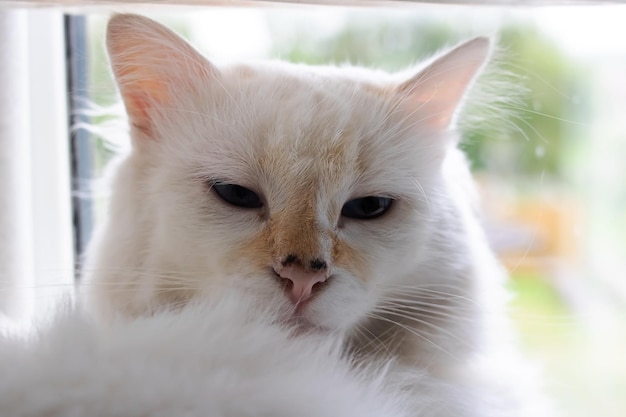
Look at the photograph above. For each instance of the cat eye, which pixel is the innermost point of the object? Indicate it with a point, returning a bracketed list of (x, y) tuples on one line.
[(237, 195), (366, 207)]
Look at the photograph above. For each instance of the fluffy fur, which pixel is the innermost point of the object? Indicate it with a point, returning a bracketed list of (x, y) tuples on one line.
[(209, 360), (418, 286)]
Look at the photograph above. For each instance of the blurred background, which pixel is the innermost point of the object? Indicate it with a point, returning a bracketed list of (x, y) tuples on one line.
[(549, 153)]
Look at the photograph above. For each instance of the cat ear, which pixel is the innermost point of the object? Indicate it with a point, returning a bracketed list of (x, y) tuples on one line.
[(151, 64), (435, 94)]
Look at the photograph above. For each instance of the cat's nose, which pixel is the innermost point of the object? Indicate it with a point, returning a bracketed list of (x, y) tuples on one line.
[(302, 282), (301, 279)]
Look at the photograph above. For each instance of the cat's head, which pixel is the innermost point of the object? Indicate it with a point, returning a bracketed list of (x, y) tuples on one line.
[(311, 188)]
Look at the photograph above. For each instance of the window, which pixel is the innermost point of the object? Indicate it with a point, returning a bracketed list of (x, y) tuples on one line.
[(36, 215)]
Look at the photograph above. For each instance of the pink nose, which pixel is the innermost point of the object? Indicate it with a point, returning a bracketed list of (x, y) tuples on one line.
[(302, 281)]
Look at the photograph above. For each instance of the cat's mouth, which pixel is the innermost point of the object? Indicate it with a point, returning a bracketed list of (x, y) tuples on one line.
[(301, 325)]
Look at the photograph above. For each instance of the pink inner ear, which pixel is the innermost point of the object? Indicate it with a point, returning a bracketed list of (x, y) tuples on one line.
[(138, 100), (136, 107), (436, 101), (435, 94), (433, 105), (150, 64)]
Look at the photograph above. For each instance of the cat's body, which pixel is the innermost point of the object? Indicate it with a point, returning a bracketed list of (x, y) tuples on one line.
[(213, 359), (337, 197)]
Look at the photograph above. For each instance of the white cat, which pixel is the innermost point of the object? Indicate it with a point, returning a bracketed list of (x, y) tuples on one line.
[(335, 197)]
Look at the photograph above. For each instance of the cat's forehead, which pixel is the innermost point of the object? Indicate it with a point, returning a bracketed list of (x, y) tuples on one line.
[(293, 123), (308, 97), (313, 111), (285, 74)]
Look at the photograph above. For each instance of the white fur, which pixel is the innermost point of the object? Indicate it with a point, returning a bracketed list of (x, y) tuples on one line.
[(210, 360)]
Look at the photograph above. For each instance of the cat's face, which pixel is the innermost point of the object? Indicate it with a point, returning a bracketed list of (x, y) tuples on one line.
[(311, 189)]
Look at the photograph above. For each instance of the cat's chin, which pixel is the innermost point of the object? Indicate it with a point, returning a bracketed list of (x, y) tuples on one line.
[(302, 319), (302, 325)]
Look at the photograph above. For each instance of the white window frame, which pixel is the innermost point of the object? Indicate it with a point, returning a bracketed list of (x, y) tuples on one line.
[(36, 249)]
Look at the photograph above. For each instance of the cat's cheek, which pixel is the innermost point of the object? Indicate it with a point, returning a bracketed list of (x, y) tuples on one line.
[(352, 253)]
